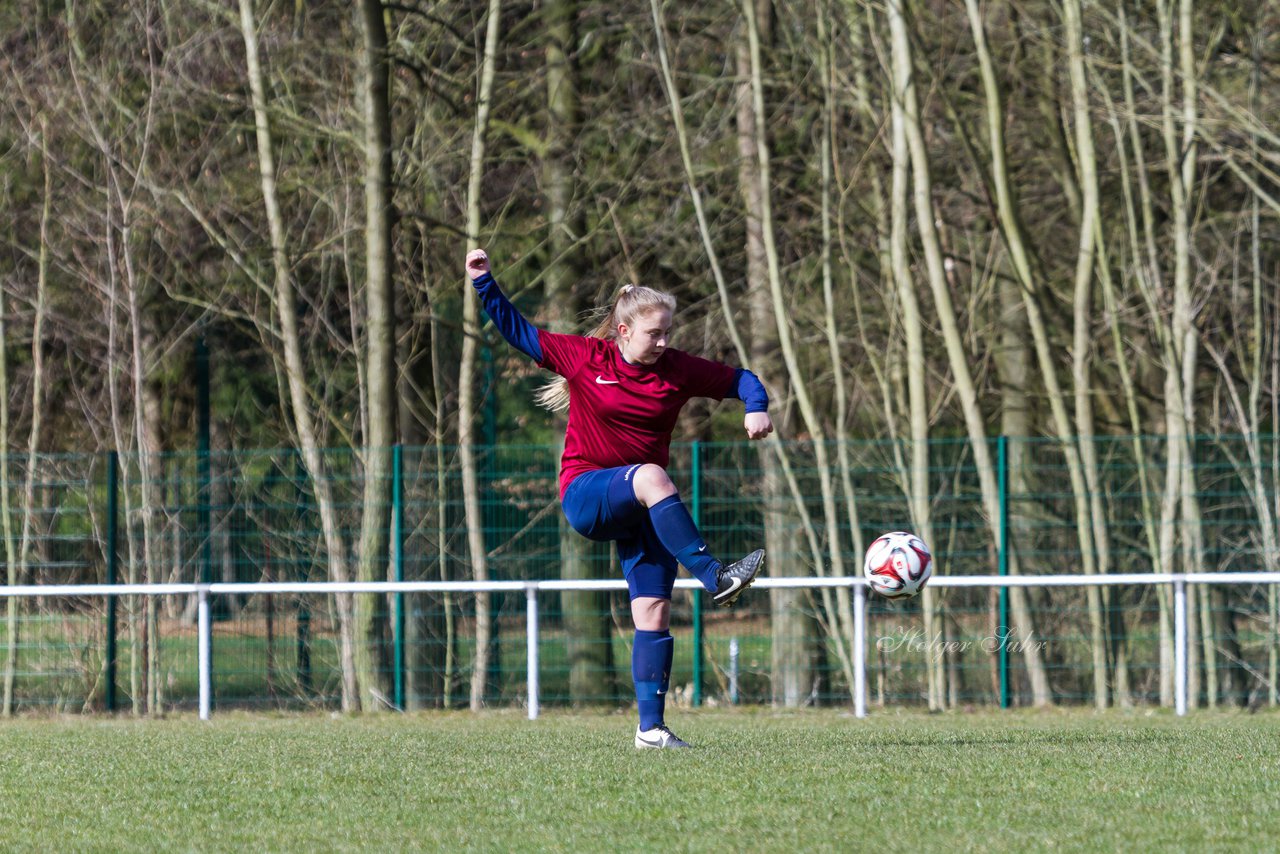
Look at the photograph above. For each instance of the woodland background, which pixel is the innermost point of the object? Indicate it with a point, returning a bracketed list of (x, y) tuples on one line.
[(914, 220)]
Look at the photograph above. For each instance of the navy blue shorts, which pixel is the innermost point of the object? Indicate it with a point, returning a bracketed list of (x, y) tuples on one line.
[(602, 505)]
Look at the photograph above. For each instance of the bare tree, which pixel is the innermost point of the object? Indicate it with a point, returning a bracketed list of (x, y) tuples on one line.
[(106, 124), (588, 623), (1088, 508), (295, 370), (372, 658), (467, 369), (10, 562), (957, 359), (919, 493), (837, 606), (18, 563)]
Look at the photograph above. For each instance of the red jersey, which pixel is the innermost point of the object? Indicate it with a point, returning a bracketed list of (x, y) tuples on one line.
[(622, 414)]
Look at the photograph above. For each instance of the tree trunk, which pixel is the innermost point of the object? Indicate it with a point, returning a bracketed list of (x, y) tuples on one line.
[(146, 426), (295, 370), (467, 373), (421, 415), (877, 202), (372, 655), (432, 677), (956, 357), (793, 627), (1122, 690), (145, 437), (774, 466), (1089, 520), (1012, 232), (827, 48), (839, 614), (119, 437), (1160, 530), (917, 409), (563, 221), (1033, 292), (1185, 331), (1180, 167), (587, 621), (18, 569), (1251, 418), (10, 561), (1012, 363)]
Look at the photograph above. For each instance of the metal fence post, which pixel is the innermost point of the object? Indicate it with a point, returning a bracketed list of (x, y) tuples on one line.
[(859, 650), (531, 611), (113, 557), (1002, 617), (397, 533), (205, 656), (696, 475), (1180, 644)]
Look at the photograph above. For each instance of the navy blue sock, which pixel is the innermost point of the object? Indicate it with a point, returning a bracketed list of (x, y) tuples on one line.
[(676, 531), (651, 669)]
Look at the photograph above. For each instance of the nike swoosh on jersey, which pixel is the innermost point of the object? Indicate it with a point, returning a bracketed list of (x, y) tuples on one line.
[(602, 381)]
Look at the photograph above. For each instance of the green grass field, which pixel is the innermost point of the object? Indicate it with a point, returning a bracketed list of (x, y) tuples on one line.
[(761, 781)]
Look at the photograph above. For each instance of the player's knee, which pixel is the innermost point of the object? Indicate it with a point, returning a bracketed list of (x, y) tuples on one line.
[(651, 614), (652, 484)]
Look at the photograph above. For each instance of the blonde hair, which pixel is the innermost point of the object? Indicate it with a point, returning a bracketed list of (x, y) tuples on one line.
[(631, 302)]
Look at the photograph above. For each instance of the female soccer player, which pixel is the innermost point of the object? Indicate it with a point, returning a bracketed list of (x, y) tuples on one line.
[(624, 388)]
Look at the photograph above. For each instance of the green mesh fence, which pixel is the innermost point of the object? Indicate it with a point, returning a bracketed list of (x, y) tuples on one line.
[(1115, 506)]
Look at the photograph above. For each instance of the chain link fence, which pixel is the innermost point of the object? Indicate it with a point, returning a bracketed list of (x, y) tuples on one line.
[(248, 517)]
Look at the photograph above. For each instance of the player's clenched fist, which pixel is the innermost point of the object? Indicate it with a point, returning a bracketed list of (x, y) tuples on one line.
[(758, 425), (477, 263)]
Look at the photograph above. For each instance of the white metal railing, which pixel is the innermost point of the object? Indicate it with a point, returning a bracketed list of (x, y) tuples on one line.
[(857, 585)]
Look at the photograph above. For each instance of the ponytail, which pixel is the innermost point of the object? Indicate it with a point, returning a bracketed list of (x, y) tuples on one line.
[(631, 302)]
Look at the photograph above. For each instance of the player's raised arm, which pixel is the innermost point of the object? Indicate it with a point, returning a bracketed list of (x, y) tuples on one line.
[(748, 388), (519, 332)]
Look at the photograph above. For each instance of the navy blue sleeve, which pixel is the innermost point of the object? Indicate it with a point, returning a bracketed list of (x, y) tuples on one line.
[(519, 332), (748, 388)]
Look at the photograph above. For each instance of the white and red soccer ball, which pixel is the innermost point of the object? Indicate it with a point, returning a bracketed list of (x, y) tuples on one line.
[(898, 565)]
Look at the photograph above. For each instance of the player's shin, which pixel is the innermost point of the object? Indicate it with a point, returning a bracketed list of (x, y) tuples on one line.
[(651, 657), (676, 530)]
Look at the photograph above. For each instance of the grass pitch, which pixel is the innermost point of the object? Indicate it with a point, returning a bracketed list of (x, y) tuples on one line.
[(811, 781)]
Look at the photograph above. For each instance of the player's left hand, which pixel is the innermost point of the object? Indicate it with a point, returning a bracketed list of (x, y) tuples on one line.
[(758, 425)]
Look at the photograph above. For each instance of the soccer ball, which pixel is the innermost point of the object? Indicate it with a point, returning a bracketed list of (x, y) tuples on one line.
[(898, 565)]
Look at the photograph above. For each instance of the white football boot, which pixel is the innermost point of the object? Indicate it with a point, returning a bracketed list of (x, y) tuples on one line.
[(657, 738)]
